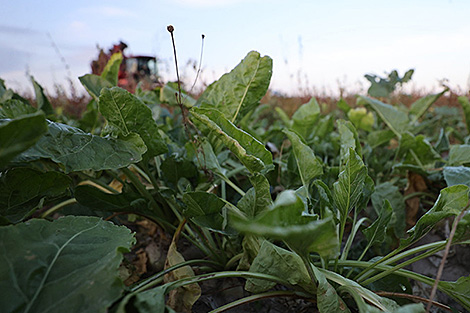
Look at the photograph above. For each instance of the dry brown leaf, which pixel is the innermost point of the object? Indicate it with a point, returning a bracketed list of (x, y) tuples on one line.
[(183, 298), (416, 183)]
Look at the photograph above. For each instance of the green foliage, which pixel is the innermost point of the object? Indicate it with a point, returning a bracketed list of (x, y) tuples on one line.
[(383, 87), (73, 259), (238, 92)]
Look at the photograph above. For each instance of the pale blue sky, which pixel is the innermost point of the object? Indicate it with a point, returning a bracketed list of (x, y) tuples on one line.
[(327, 41)]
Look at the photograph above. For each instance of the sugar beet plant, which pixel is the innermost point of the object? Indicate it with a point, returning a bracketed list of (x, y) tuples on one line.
[(320, 213)]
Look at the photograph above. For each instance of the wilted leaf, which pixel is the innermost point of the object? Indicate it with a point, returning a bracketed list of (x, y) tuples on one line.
[(416, 183), (247, 149), (69, 265), (126, 113), (239, 91), (182, 298), (79, 151), (22, 190), (19, 134)]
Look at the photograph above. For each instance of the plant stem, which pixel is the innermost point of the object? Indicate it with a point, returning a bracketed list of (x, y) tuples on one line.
[(58, 207), (271, 294), (143, 191), (231, 184)]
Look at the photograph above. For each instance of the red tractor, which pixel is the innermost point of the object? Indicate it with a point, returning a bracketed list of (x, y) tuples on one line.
[(134, 69)]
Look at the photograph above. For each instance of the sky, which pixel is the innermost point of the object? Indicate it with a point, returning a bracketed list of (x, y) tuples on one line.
[(315, 45)]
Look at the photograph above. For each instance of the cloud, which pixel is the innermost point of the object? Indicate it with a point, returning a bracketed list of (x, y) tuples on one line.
[(109, 11), (12, 59), (209, 3), (14, 30)]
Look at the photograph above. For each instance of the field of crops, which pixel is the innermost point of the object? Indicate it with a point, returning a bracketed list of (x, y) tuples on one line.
[(160, 202)]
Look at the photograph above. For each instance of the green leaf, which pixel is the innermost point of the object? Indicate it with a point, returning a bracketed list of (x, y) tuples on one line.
[(279, 262), (19, 134), (348, 139), (459, 290), (391, 193), (465, 103), (286, 221), (42, 102), (257, 199), (69, 265), (99, 200), (380, 137), (246, 148), (375, 233), (361, 118), (23, 189), (169, 94), (13, 108), (417, 150), (343, 105), (79, 151), (452, 200), (459, 155), (395, 119), (420, 106), (111, 70), (348, 189), (457, 175), (209, 159), (126, 113), (239, 91), (205, 210), (94, 84), (305, 117), (150, 301), (327, 298), (307, 164)]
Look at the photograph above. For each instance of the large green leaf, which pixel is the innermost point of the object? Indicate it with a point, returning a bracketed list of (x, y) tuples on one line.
[(239, 91), (286, 221), (327, 298), (69, 265), (279, 262), (94, 84), (391, 193), (19, 134), (457, 175), (395, 119), (126, 113), (420, 106), (348, 189), (13, 108), (375, 233), (23, 189), (379, 137), (459, 155), (459, 290), (305, 117), (307, 164), (206, 210), (246, 148), (452, 200), (79, 151), (42, 102), (111, 70), (257, 199), (465, 103)]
